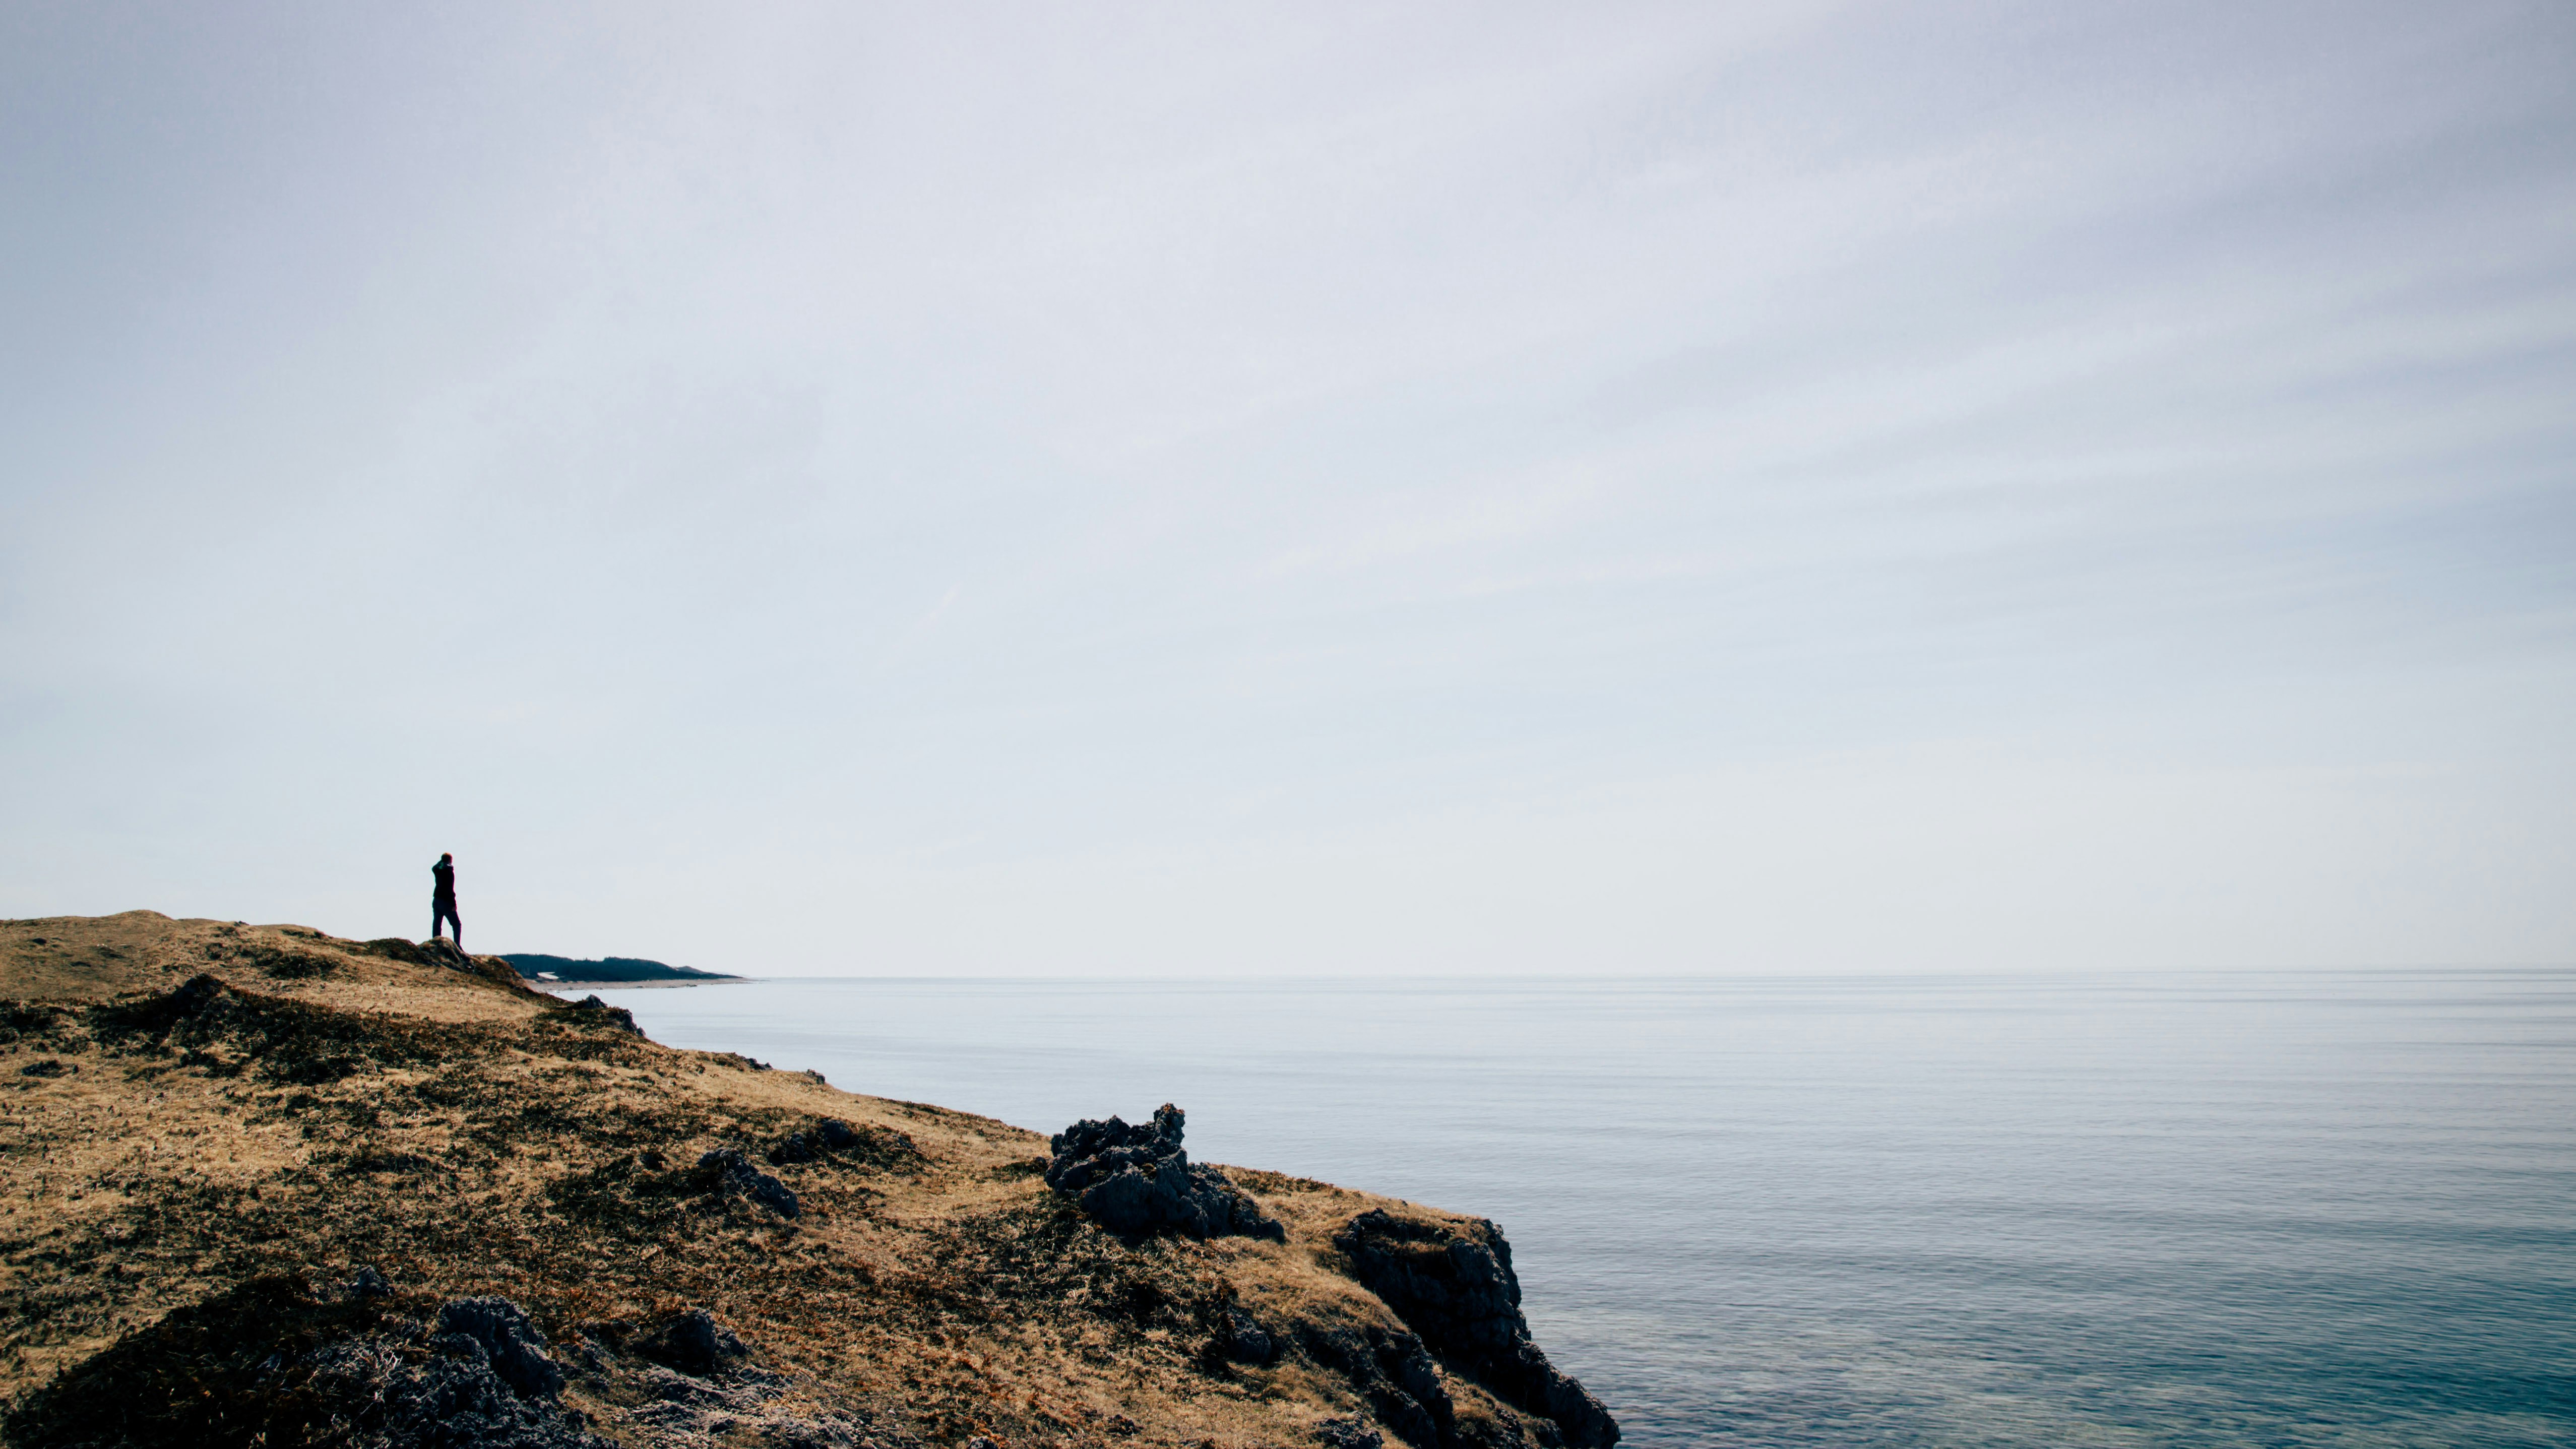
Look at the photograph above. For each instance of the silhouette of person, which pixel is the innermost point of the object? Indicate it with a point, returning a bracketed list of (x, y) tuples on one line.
[(442, 899)]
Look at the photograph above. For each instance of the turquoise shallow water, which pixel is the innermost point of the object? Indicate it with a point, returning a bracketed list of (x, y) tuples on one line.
[(2318, 1208)]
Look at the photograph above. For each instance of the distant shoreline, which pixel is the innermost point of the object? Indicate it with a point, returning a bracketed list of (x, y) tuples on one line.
[(607, 971), (630, 985)]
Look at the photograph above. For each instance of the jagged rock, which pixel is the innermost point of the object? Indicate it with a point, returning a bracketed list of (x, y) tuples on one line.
[(368, 1283), (503, 1336), (1394, 1373), (268, 1363), (1132, 1180), (1456, 1288), (735, 1174), (1348, 1434), (454, 1402)]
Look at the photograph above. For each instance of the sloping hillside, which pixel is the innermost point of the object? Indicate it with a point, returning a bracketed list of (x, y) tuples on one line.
[(262, 1186)]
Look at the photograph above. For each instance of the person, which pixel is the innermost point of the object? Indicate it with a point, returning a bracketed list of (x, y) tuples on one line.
[(442, 899)]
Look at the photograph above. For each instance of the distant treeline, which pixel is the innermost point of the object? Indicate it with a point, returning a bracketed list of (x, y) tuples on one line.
[(613, 968)]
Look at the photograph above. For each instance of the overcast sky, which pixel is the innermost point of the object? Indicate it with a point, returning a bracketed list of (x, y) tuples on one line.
[(1214, 489)]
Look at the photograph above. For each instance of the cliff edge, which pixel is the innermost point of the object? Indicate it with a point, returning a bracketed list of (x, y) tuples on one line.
[(263, 1186)]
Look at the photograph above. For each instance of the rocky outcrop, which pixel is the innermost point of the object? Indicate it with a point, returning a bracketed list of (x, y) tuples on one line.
[(496, 1333), (368, 1367), (1135, 1180), (406, 1205), (290, 1369), (1393, 1373), (1455, 1287)]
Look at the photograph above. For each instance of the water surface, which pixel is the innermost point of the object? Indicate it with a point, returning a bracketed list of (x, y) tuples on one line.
[(2321, 1208)]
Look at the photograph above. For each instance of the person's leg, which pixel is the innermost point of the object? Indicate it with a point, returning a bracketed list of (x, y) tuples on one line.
[(436, 913)]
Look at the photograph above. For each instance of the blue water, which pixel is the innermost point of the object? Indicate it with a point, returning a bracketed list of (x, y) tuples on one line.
[(2324, 1208)]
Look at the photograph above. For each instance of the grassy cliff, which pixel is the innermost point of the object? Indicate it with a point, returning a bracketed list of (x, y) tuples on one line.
[(261, 1186)]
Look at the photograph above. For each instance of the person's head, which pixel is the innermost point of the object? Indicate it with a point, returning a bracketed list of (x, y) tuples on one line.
[(446, 859)]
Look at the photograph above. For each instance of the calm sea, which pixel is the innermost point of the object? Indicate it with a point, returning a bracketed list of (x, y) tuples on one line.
[(2328, 1208)]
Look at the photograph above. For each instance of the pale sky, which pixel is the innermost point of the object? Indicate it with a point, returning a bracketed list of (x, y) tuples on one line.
[(1161, 489)]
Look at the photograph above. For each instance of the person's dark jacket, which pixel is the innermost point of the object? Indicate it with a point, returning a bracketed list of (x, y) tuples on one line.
[(445, 875)]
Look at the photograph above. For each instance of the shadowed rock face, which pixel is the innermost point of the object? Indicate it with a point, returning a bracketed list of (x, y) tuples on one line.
[(1391, 1371), (1133, 1180), (1456, 1288), (495, 1331), (267, 1364), (271, 1364)]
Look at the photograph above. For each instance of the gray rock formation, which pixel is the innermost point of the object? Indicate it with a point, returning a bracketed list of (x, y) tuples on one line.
[(1457, 1289), (495, 1332), (1134, 1180), (266, 1362), (1393, 1373), (488, 1384), (1348, 1434)]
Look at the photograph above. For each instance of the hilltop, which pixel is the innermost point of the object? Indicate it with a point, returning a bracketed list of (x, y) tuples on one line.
[(260, 1185)]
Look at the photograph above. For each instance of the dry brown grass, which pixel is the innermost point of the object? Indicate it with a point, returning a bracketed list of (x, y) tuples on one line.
[(466, 1136)]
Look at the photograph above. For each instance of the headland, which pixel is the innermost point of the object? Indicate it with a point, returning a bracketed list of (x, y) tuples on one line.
[(554, 972), (263, 1186)]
